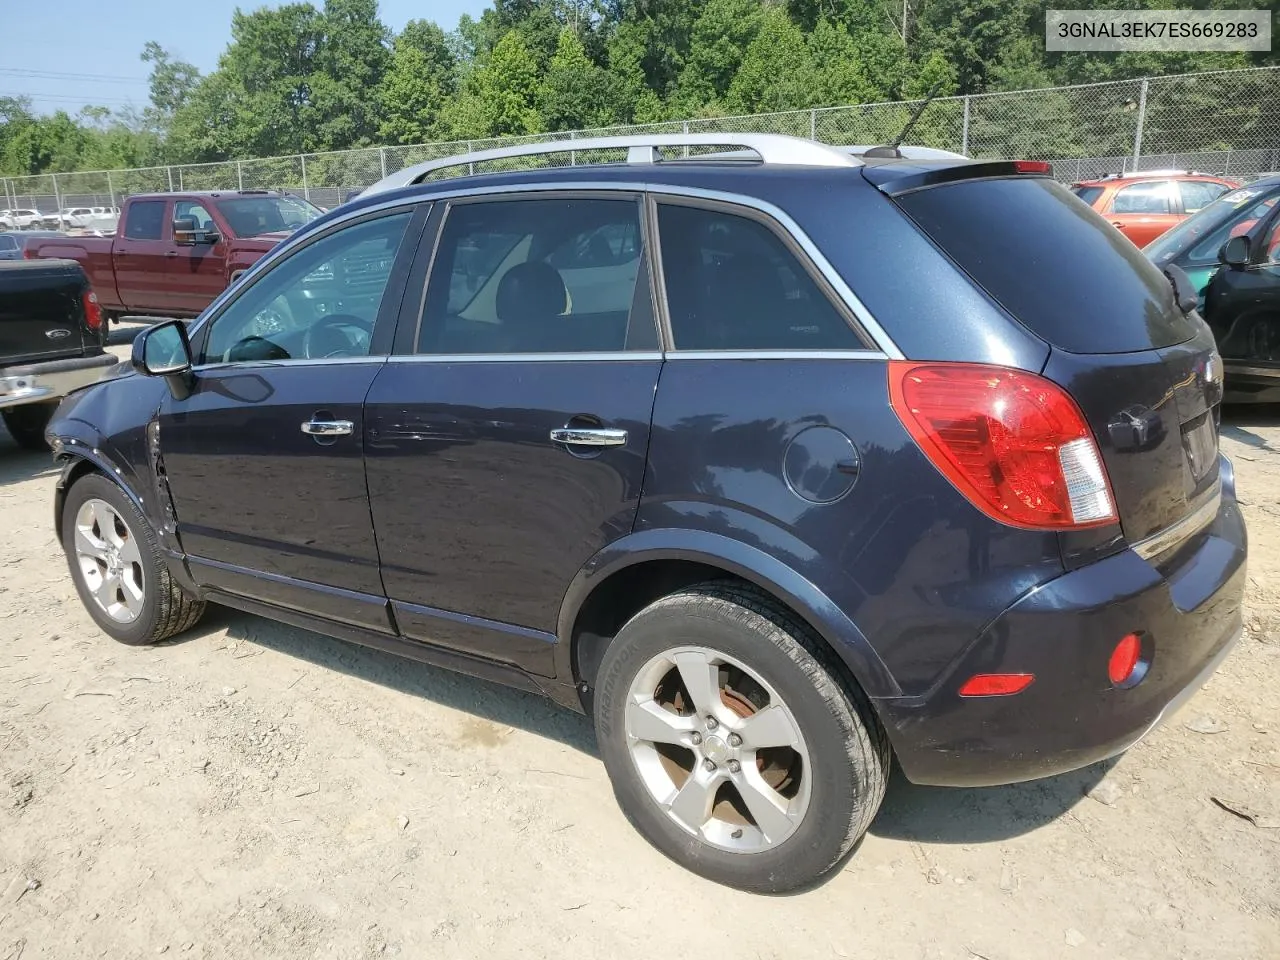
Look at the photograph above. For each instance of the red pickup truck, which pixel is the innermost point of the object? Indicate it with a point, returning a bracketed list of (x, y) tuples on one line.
[(173, 253)]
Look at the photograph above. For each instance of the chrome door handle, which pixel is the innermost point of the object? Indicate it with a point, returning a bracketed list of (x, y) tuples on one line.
[(590, 436), (328, 428)]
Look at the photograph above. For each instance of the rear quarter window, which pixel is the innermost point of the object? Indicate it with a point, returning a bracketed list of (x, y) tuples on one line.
[(1053, 263), (1089, 195)]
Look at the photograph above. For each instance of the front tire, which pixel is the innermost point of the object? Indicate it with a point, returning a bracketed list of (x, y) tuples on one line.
[(734, 741), (117, 566), (26, 424)]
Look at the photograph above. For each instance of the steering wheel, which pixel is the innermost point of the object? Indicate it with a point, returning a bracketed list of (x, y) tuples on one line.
[(326, 338)]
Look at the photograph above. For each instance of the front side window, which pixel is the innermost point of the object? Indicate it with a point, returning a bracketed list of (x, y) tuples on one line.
[(1198, 194), (196, 211), (539, 276), (320, 302), (255, 215), (733, 284), (1154, 197), (145, 220), (8, 244)]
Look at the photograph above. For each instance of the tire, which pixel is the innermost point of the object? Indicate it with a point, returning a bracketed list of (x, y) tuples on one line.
[(764, 652), (162, 609), (26, 423)]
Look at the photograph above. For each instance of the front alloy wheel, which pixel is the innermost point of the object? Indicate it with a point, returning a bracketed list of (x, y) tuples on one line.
[(110, 563)]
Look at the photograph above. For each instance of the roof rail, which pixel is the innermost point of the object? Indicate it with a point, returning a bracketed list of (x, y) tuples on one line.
[(771, 148)]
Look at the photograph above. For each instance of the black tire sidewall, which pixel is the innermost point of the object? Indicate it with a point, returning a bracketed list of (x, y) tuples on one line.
[(97, 487), (823, 835)]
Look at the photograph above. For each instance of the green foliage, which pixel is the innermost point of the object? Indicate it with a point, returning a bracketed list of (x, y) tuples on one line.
[(328, 75)]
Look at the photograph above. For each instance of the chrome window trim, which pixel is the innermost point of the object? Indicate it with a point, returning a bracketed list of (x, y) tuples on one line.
[(1182, 530), (658, 190), (867, 354), (300, 362), (649, 355)]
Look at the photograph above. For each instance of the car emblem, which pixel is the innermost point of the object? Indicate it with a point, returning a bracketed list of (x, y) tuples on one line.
[(58, 334)]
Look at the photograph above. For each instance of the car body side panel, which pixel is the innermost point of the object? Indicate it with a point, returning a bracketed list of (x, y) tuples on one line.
[(913, 564)]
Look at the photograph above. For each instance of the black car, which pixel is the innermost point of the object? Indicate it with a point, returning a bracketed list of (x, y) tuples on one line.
[(13, 243), (1231, 252), (779, 468)]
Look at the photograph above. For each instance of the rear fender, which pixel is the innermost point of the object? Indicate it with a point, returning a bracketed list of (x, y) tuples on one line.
[(741, 560)]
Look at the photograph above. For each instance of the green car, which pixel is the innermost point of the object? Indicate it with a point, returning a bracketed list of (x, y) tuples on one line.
[(1238, 286)]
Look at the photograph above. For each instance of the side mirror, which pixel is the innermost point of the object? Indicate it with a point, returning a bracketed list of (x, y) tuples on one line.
[(184, 231), (1235, 253), (165, 351)]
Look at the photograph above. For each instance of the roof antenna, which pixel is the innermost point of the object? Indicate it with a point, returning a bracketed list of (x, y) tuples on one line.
[(891, 151)]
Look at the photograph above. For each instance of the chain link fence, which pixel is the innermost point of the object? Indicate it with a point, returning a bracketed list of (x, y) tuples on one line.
[(1225, 122)]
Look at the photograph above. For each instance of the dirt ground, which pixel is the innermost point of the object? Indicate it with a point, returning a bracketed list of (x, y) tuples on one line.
[(252, 790)]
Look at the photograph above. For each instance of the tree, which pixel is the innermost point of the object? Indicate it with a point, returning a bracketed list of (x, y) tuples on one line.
[(352, 60), (718, 45), (421, 78), (575, 92), (172, 81), (498, 98), (776, 72)]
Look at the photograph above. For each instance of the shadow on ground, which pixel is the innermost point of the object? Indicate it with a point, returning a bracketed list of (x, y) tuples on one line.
[(1239, 421), (490, 701), (17, 465)]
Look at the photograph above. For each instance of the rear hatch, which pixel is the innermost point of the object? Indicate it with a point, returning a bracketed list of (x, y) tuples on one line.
[(1145, 374), (41, 313)]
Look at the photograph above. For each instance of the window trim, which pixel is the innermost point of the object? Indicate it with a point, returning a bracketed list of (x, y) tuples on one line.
[(408, 347), (816, 276), (166, 205), (380, 342)]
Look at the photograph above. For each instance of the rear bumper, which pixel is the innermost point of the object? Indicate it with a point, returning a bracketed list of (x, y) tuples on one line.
[(36, 382), (1187, 606), (1247, 381)]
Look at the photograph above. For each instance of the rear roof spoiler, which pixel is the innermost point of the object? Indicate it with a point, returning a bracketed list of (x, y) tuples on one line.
[(898, 177)]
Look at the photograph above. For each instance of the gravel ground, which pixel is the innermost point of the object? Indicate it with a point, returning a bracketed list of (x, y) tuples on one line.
[(253, 790)]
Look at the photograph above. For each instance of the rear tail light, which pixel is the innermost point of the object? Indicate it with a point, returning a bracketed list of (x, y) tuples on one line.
[(1033, 166), (996, 684), (92, 310), (1015, 444), (28, 253)]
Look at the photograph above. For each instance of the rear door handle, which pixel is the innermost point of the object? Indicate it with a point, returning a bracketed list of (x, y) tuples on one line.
[(590, 436), (328, 428)]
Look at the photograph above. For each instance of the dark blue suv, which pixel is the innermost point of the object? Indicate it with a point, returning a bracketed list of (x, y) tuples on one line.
[(780, 461)]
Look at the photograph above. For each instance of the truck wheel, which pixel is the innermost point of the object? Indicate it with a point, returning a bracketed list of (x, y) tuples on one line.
[(735, 742), (26, 424), (117, 566)]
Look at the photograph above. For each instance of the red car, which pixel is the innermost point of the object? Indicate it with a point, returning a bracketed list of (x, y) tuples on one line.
[(173, 253), (1145, 205)]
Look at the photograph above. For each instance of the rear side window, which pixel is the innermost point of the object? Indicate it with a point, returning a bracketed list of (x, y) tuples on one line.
[(1155, 197), (733, 284), (1198, 194), (146, 217), (1053, 263), (1089, 195)]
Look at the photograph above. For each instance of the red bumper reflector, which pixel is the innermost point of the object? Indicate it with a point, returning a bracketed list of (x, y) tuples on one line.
[(1124, 659), (996, 684)]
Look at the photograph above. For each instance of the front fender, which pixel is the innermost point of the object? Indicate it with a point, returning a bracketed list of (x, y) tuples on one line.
[(76, 443), (751, 564)]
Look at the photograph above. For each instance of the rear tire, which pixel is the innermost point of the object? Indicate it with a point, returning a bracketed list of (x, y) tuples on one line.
[(780, 803), (26, 423), (118, 568)]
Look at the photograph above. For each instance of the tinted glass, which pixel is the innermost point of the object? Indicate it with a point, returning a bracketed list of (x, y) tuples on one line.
[(1053, 263), (733, 284), (1197, 239), (1198, 194), (539, 276), (145, 220), (1152, 197), (320, 302), (189, 208), (8, 244), (1089, 195), (253, 216)]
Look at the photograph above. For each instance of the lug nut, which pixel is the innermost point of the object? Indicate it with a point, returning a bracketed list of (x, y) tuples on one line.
[(697, 738), (735, 740), (734, 766), (712, 723), (710, 765)]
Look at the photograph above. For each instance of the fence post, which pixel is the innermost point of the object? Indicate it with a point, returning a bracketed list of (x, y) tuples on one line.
[(685, 127), (573, 154), (169, 171), (1226, 167), (964, 131), (306, 190), (57, 197), (471, 167), (813, 124), (382, 157), (111, 189), (181, 185), (1142, 119)]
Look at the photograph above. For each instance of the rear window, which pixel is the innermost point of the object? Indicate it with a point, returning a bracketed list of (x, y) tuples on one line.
[(1053, 263)]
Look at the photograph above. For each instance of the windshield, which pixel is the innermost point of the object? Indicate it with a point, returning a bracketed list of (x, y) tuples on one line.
[(254, 216), (1198, 238)]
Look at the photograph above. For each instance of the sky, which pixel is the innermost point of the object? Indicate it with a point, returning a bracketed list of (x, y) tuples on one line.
[(66, 54)]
